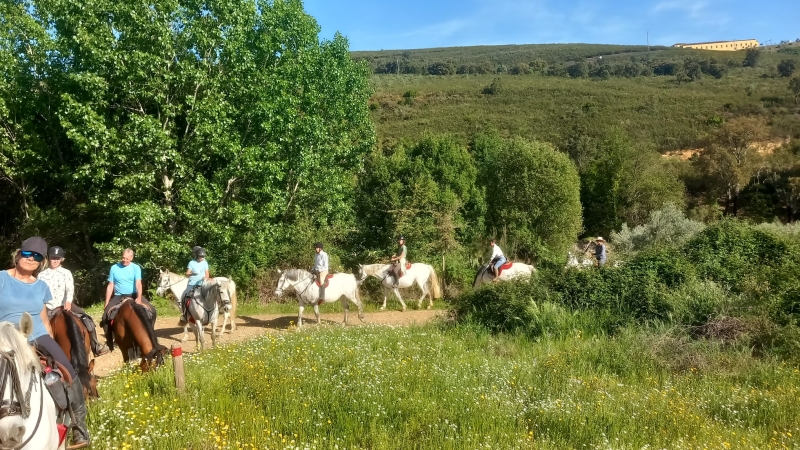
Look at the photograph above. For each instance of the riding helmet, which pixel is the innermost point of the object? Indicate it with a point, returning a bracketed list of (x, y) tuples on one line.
[(56, 252), (401, 238), (199, 251), (317, 245)]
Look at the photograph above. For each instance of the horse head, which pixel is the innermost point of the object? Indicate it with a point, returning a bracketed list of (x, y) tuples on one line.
[(163, 282), (19, 367), (281, 285), (362, 275)]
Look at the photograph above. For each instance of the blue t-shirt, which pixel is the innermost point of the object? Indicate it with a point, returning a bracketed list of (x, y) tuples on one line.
[(17, 297), (199, 269), (124, 278)]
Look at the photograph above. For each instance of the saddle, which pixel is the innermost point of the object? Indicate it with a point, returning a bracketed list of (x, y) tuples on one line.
[(58, 391), (505, 266), (327, 280)]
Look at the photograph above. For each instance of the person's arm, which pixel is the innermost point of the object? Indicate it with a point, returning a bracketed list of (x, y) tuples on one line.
[(109, 292), (189, 272), (70, 294), (207, 275), (139, 291), (46, 321)]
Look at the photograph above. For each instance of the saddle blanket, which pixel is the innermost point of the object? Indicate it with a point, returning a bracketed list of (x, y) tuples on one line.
[(505, 266), (327, 280)]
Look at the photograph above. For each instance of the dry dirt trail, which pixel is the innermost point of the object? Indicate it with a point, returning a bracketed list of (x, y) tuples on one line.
[(249, 327)]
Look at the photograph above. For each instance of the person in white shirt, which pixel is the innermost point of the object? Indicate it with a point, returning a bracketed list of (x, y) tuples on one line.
[(497, 259), (320, 268), (62, 287)]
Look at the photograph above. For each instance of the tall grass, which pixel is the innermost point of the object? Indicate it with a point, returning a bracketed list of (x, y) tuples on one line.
[(430, 387)]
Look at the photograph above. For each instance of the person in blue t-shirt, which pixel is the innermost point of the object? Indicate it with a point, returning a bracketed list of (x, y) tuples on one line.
[(125, 281), (21, 291), (197, 271)]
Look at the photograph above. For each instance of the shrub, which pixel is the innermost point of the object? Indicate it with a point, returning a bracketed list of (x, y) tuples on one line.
[(667, 226), (500, 307), (493, 89), (696, 302)]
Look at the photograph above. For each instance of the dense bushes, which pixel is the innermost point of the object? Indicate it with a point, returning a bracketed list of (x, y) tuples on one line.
[(730, 269)]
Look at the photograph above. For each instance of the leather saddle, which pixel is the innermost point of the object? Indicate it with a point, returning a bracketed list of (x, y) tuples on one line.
[(327, 280), (505, 266)]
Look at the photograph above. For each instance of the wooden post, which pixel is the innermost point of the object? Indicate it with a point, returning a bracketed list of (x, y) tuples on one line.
[(444, 283), (177, 364)]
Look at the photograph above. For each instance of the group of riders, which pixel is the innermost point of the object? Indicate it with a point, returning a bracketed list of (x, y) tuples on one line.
[(39, 285)]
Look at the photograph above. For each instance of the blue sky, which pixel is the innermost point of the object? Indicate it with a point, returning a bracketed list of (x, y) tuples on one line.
[(376, 25)]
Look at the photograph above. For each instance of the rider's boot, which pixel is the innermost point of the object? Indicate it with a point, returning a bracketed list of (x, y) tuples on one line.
[(182, 320), (97, 348), (80, 434)]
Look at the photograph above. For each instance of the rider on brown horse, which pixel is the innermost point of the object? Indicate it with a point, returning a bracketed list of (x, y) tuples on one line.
[(125, 281), (62, 287)]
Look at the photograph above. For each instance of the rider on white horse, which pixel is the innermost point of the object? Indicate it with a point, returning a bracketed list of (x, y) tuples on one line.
[(497, 259), (197, 271), (320, 269), (399, 260)]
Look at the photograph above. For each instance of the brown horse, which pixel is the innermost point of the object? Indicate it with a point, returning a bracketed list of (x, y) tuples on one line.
[(73, 337), (135, 336)]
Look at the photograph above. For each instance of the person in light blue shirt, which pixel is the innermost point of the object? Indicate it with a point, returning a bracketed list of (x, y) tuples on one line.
[(125, 280), (197, 271)]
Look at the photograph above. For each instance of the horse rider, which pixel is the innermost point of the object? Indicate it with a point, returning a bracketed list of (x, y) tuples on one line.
[(399, 261), (62, 288), (20, 292), (197, 271), (320, 268), (497, 259), (600, 252), (125, 281)]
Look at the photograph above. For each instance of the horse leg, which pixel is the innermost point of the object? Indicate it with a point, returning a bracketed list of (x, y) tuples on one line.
[(200, 335), (397, 294), (300, 314), (424, 289), (214, 332), (224, 323), (385, 293), (185, 332), (346, 306), (316, 311)]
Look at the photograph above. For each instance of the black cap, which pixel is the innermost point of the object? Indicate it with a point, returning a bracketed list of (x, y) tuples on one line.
[(56, 252), (401, 238), (318, 245), (199, 251), (35, 244)]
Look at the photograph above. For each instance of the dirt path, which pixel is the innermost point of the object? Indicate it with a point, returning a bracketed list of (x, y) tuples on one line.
[(249, 327)]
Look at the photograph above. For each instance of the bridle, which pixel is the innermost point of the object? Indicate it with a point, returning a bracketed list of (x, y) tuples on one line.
[(171, 284), (21, 407), (281, 288)]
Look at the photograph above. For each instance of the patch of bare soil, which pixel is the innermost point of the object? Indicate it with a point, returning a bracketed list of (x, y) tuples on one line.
[(763, 148), (249, 327)]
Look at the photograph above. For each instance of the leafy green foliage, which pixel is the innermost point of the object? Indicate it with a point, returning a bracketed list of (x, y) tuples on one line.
[(751, 57), (665, 227), (167, 125), (533, 196), (787, 67)]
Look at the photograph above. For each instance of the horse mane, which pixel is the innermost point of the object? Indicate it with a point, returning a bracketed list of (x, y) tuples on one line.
[(78, 356), (17, 343), (296, 274)]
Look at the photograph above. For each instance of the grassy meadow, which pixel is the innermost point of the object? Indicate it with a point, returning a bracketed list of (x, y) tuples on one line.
[(441, 387), (655, 110)]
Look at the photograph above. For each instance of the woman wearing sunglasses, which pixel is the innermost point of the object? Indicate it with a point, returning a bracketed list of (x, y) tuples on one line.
[(21, 292)]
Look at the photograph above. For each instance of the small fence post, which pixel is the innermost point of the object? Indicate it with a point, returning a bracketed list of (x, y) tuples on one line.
[(177, 364), (444, 282)]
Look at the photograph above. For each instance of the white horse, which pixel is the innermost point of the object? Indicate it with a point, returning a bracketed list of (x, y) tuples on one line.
[(303, 283), (177, 285), (419, 273), (31, 420), (517, 270)]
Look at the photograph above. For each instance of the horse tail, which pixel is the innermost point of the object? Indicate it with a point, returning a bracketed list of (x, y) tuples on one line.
[(232, 295), (434, 280), (78, 356), (478, 276)]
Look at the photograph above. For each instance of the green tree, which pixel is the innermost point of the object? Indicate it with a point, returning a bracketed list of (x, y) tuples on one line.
[(623, 183), (751, 57), (426, 191), (167, 124), (730, 158), (786, 68), (532, 195)]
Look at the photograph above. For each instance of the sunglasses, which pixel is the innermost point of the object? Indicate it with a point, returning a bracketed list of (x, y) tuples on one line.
[(36, 256)]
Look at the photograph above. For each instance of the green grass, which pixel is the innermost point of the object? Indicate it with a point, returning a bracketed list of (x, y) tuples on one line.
[(426, 387)]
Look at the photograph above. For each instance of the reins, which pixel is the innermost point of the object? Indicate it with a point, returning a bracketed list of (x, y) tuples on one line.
[(22, 407)]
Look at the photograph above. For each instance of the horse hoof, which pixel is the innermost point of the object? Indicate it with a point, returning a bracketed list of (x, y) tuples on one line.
[(383, 308), (429, 307)]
